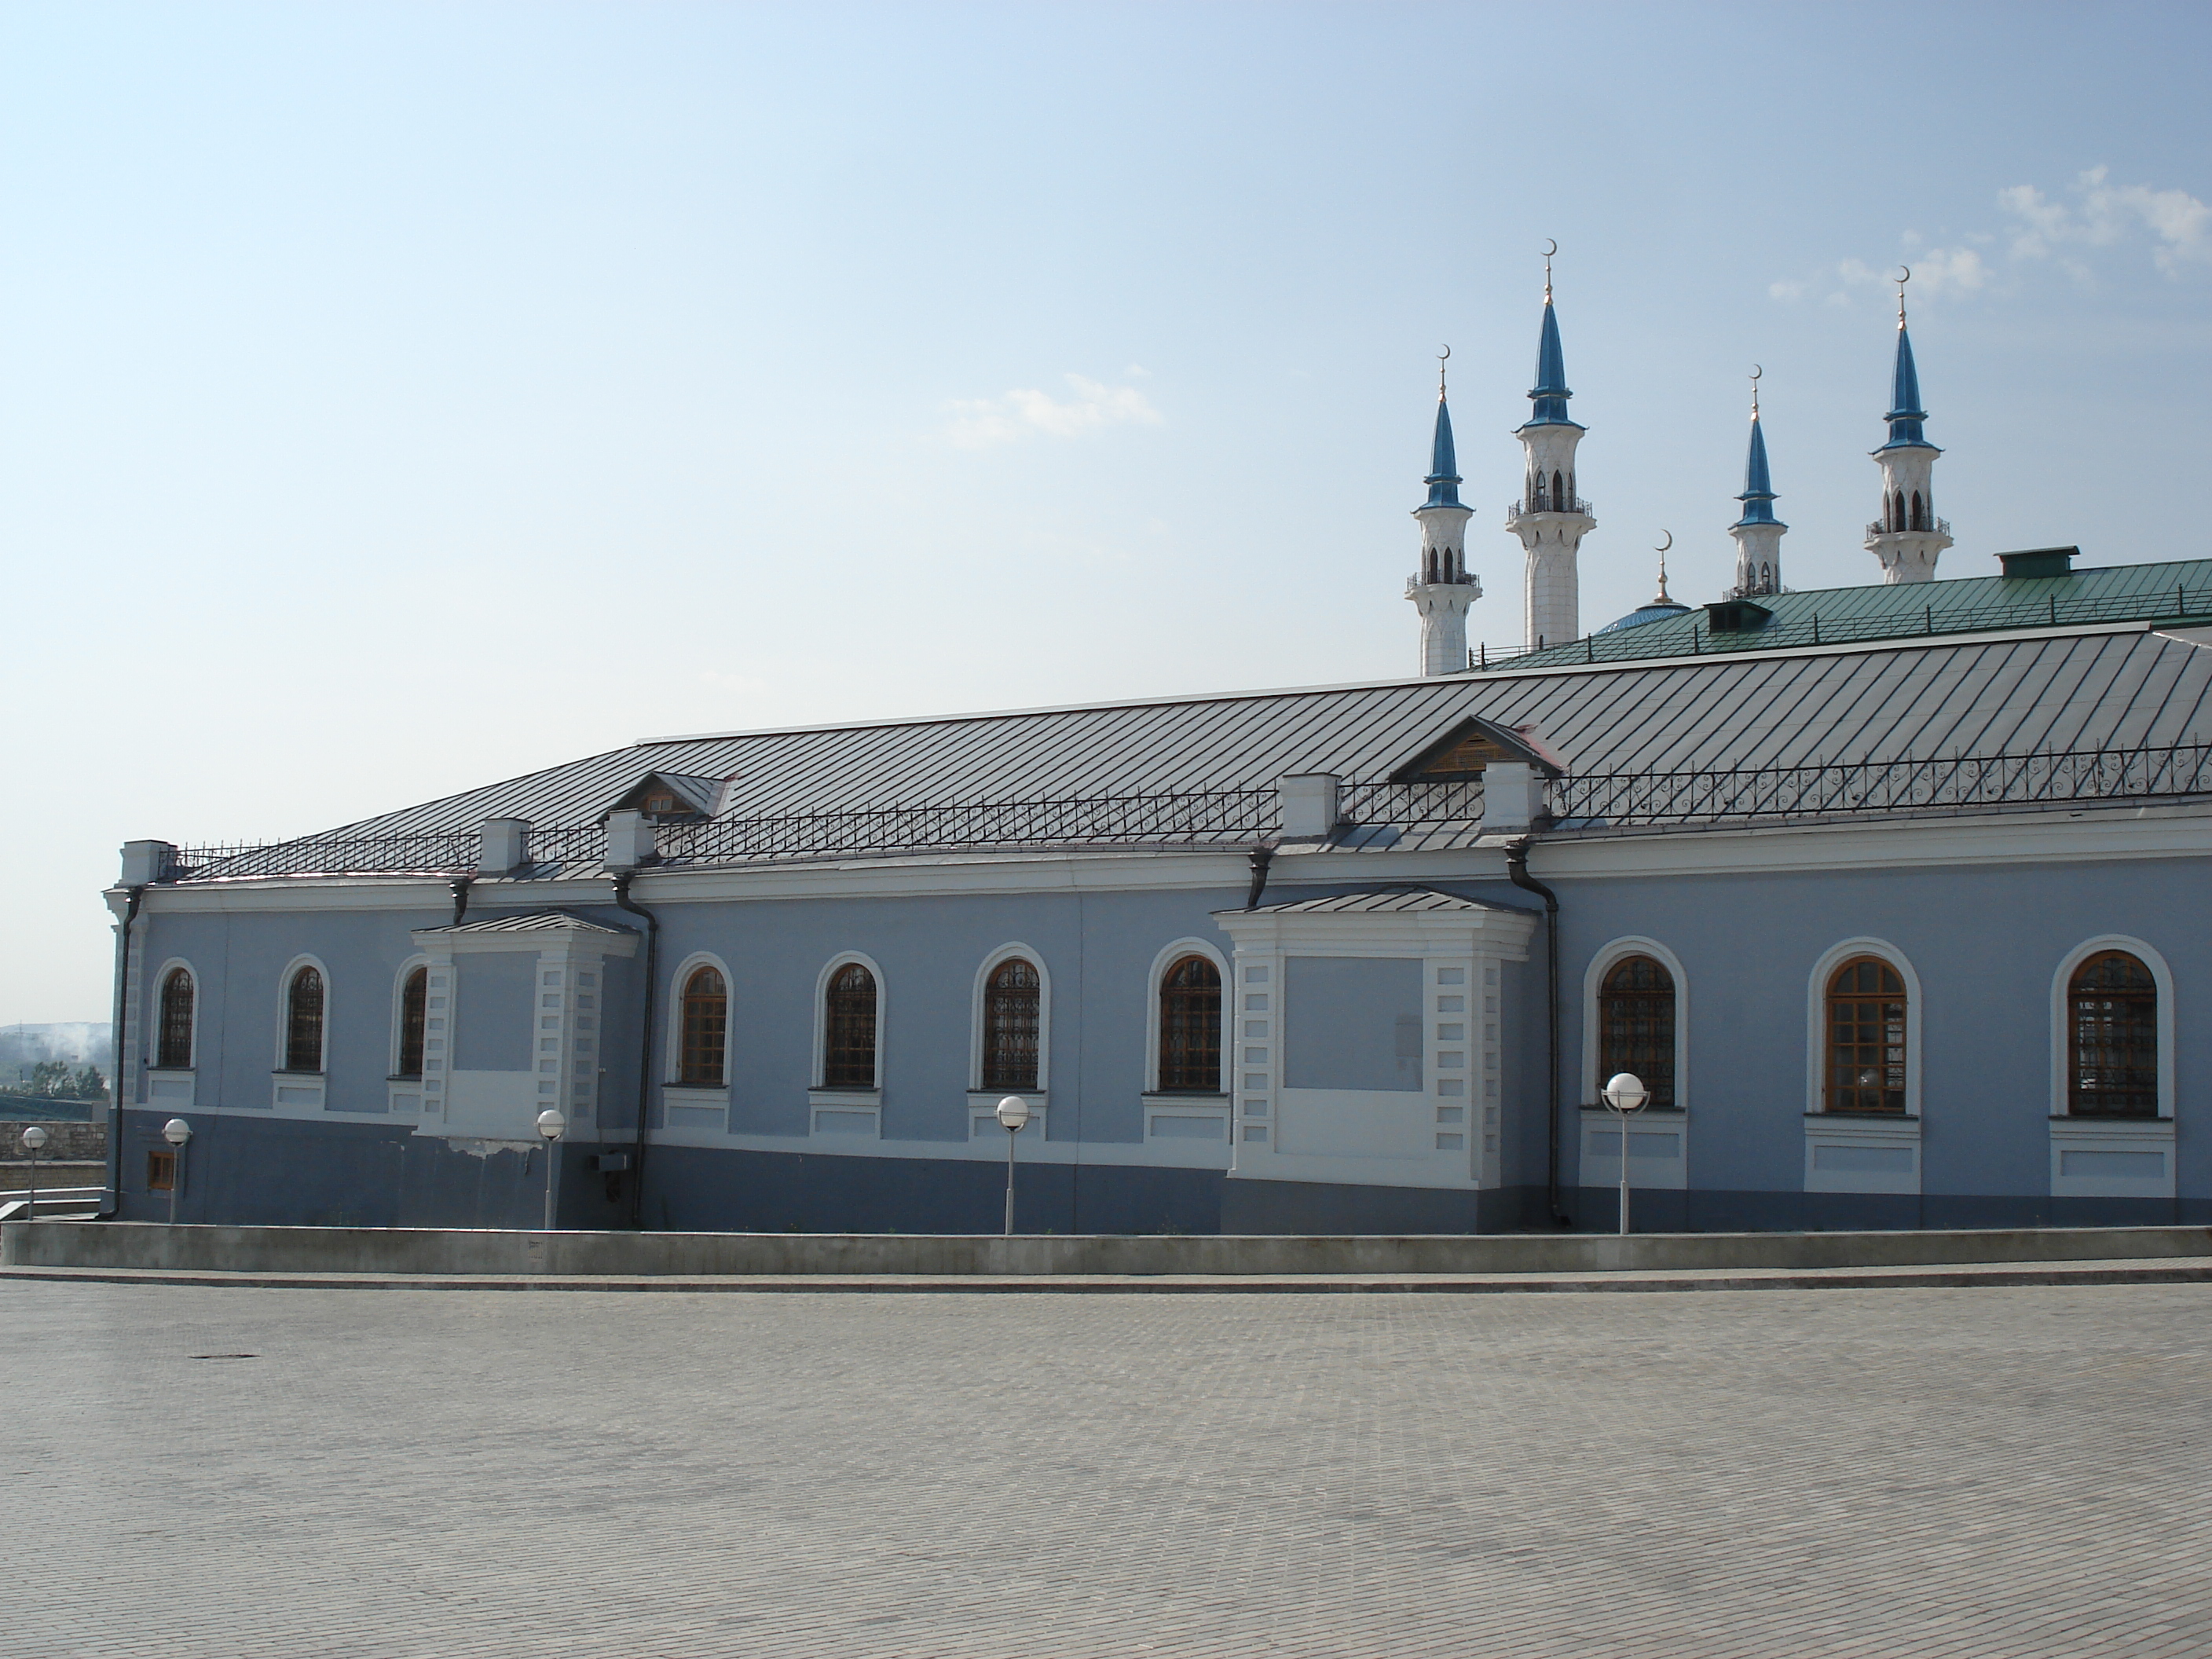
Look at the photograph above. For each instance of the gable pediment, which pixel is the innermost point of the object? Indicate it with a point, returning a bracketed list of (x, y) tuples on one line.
[(1470, 745)]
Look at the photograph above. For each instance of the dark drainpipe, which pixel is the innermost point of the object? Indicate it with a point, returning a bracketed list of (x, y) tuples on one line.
[(1516, 867), (644, 1047), (460, 886), (1262, 856), (115, 1083)]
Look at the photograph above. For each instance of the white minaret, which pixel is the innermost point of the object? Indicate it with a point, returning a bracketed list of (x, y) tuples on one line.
[(1551, 519), (1441, 590), (1758, 533), (1908, 538)]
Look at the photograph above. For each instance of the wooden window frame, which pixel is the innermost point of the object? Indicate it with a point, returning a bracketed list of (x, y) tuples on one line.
[(1848, 1098), (850, 1027), (1199, 1072), (703, 1028), (2146, 999), (1659, 1073), (175, 1032), (299, 1021)]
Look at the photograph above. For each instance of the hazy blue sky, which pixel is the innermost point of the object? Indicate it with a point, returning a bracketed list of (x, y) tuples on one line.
[(395, 397)]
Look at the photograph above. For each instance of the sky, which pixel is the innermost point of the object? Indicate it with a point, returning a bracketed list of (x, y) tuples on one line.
[(399, 397)]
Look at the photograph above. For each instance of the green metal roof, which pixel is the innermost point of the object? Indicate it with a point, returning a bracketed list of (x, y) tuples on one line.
[(2179, 591)]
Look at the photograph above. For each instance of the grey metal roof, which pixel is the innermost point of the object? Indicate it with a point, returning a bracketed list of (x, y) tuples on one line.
[(2056, 691), (534, 922), (1376, 901)]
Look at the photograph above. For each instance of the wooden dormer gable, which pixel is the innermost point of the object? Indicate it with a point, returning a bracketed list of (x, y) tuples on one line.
[(1471, 744), (670, 797)]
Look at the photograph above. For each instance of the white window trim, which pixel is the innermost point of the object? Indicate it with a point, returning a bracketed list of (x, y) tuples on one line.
[(301, 1083), (399, 1004), (284, 1013), (671, 1052), (160, 979), (1036, 959), (2062, 981), (1816, 1020), (1608, 957), (1169, 956), (821, 1061), (1836, 1129)]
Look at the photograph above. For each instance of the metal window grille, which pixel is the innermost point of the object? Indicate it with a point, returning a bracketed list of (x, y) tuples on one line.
[(1636, 1026), (2111, 1038), (1866, 1037), (173, 1052), (413, 1011), (1011, 1004), (705, 1029), (849, 1053), (303, 1023), (1190, 1027)]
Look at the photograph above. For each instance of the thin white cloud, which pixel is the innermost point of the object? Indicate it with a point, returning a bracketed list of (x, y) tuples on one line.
[(2104, 214), (980, 422)]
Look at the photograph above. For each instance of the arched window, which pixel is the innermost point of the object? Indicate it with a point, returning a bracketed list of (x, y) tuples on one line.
[(1558, 494), (1635, 1025), (1190, 1028), (174, 1051), (414, 1009), (849, 1029), (1011, 1009), (303, 1022), (1866, 1037), (1919, 512), (1897, 511), (2111, 1038), (706, 1003)]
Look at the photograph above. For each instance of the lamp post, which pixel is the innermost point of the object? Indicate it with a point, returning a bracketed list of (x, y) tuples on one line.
[(1014, 1113), (176, 1131), (34, 1138), (552, 1126), (1625, 1094)]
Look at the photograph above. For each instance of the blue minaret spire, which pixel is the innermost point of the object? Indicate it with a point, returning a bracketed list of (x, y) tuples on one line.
[(1441, 590), (1758, 533), (1443, 480), (1551, 518), (1908, 536)]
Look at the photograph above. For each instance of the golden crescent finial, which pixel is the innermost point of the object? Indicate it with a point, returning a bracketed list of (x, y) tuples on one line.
[(1904, 276), (1667, 545), (1756, 371), (1551, 247), (1443, 357)]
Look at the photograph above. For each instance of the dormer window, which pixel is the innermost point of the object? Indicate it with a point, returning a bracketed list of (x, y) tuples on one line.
[(660, 804)]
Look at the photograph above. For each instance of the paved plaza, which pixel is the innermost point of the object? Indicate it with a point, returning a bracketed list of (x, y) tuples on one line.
[(438, 1472)]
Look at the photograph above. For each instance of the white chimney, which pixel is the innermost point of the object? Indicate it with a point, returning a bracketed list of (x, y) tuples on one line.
[(1512, 797), (145, 862), (1309, 806), (629, 840), (506, 846)]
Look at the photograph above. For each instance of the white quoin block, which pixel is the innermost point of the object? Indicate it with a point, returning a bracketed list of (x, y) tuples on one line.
[(1309, 806), (1512, 797), (145, 862), (506, 846), (629, 841)]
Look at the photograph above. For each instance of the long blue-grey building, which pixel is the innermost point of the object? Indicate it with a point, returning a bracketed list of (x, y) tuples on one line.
[(1892, 896)]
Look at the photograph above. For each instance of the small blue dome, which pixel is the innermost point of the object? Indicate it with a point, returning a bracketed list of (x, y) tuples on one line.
[(1648, 613)]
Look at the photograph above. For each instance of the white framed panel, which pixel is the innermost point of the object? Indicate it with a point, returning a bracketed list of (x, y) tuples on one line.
[(2111, 1158), (1658, 1149), (983, 1114)]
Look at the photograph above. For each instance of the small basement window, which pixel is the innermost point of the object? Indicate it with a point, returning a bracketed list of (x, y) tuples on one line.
[(161, 1170)]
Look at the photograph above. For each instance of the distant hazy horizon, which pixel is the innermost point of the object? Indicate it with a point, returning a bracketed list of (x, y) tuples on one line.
[(400, 396)]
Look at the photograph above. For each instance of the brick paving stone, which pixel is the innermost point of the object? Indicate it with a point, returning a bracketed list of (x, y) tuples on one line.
[(2013, 1471)]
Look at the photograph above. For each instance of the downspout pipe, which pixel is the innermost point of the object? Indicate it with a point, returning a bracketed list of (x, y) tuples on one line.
[(1262, 856), (623, 880), (1516, 867), (460, 886), (136, 897)]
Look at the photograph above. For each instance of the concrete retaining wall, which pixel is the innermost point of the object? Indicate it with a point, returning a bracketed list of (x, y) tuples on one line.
[(424, 1250)]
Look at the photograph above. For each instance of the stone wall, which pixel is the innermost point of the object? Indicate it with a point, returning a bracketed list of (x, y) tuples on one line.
[(73, 1142)]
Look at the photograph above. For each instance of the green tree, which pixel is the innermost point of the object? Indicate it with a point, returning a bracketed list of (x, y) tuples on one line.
[(90, 1086)]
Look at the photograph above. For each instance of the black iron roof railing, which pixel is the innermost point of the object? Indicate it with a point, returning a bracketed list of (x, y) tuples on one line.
[(1240, 817), (1208, 818), (1882, 787), (1853, 622)]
